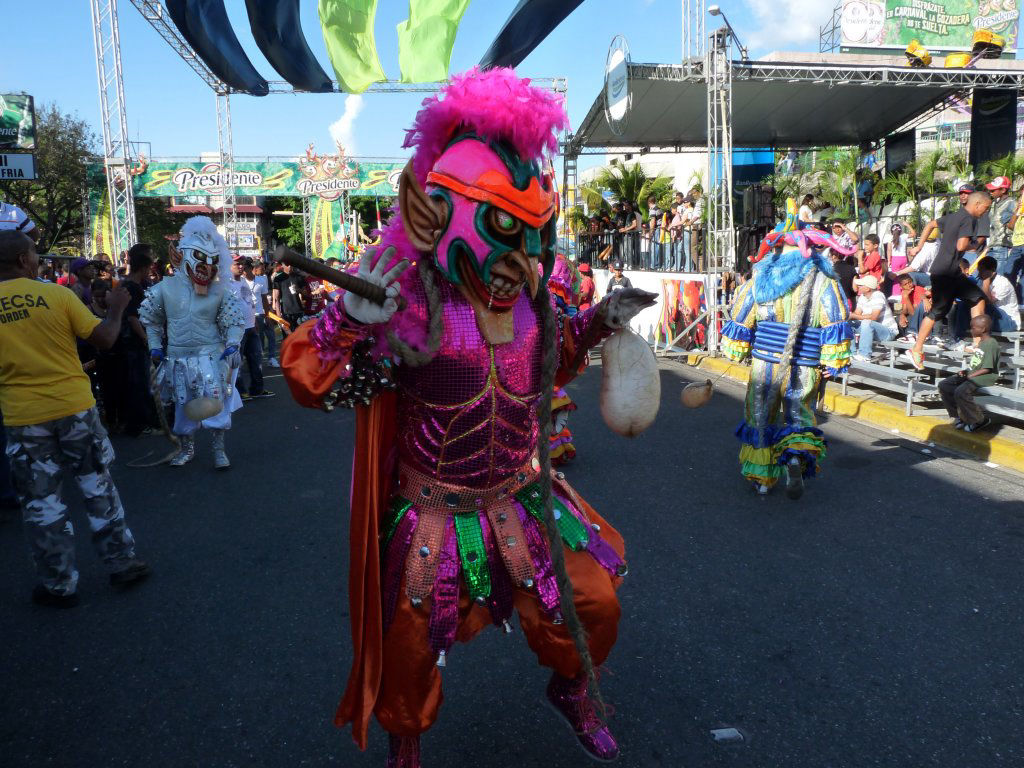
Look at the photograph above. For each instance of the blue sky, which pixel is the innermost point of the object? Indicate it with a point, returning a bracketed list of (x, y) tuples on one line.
[(169, 106)]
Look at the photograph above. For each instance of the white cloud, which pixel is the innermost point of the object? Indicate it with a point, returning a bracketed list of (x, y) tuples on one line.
[(786, 24), (343, 129)]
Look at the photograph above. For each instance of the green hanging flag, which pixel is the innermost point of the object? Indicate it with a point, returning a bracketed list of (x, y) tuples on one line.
[(426, 38), (348, 32)]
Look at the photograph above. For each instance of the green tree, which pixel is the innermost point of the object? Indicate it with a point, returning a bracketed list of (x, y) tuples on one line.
[(1010, 165), (838, 169), (64, 147), (957, 161), (898, 188), (626, 182), (154, 222), (289, 229), (367, 208)]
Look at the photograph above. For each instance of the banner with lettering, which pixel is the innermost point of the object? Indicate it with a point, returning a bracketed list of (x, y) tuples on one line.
[(322, 177), (939, 25)]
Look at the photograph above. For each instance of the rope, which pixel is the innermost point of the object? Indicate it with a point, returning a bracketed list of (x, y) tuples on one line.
[(569, 615), (139, 463), (411, 356)]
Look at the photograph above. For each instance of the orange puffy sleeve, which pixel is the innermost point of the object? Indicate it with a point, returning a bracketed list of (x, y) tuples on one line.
[(309, 377)]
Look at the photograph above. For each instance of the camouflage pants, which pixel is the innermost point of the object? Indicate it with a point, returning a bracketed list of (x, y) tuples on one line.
[(40, 454)]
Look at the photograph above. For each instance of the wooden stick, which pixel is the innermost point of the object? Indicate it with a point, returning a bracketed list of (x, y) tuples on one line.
[(351, 283)]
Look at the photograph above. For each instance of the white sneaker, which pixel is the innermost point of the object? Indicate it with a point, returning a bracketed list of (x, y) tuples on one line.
[(272, 362), (859, 358)]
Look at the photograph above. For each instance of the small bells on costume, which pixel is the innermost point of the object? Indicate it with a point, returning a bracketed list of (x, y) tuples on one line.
[(365, 380)]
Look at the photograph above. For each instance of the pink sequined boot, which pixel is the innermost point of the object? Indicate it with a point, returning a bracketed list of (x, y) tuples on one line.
[(403, 751), (569, 699)]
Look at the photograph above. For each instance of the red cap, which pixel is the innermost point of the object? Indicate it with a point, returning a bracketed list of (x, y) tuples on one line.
[(999, 182)]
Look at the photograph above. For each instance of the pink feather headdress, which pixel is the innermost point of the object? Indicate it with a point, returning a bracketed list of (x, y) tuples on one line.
[(495, 104)]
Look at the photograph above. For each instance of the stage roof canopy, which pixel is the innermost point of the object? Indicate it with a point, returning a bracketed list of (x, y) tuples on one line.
[(786, 100)]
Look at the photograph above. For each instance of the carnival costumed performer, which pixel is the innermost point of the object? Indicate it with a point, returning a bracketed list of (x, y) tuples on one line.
[(203, 325), (564, 285), (453, 504), (791, 318)]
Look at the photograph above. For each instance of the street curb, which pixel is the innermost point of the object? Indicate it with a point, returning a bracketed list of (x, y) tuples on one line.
[(929, 429)]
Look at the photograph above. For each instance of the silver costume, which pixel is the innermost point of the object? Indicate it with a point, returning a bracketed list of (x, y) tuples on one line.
[(199, 318)]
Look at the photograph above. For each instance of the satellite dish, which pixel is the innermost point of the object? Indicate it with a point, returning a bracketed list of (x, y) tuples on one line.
[(618, 96)]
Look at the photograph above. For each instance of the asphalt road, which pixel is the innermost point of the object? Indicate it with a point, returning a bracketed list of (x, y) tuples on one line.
[(875, 623)]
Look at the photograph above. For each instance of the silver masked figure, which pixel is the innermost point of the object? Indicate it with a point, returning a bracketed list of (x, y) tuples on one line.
[(202, 324)]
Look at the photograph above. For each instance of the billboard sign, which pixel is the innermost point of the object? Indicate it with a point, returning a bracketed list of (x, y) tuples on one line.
[(17, 121), (939, 25)]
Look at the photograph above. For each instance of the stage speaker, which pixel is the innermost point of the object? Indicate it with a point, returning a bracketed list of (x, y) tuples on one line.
[(766, 207), (758, 206)]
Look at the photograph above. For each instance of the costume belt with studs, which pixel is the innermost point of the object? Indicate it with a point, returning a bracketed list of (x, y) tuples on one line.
[(438, 535)]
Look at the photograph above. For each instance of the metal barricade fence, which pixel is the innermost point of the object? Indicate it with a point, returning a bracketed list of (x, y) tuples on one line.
[(653, 251)]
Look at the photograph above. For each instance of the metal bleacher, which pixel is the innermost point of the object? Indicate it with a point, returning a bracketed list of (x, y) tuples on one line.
[(900, 377)]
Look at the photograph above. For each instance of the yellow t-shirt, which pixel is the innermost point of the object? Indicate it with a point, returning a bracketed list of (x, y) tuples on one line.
[(41, 377)]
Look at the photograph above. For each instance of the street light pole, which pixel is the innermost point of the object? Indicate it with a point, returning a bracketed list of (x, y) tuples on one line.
[(714, 10)]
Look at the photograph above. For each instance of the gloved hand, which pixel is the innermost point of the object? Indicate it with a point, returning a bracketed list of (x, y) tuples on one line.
[(231, 355), (371, 269), (625, 304), (157, 355)]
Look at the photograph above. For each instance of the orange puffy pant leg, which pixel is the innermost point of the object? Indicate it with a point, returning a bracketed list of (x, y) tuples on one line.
[(410, 689)]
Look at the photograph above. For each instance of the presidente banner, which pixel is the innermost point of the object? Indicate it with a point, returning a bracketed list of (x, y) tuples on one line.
[(325, 176), (939, 25), (17, 121)]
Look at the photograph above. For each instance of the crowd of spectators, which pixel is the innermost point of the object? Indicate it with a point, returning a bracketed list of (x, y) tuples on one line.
[(661, 235), (888, 282)]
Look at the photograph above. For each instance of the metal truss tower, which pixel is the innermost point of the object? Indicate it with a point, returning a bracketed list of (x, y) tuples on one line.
[(720, 245), (307, 226), (226, 150), (694, 15), (116, 150)]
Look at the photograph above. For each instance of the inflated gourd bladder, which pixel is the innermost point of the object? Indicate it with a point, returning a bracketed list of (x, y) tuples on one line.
[(203, 408), (631, 387)]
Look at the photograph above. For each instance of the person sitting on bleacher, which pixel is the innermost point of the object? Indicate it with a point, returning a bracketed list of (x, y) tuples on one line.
[(1001, 304), (982, 370), (872, 316), (911, 306)]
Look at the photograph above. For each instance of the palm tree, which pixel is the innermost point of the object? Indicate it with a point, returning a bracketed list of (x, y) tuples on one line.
[(1010, 165), (928, 168), (838, 179), (626, 182), (958, 163), (899, 187)]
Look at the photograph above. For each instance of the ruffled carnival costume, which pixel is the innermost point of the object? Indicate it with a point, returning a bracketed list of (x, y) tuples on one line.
[(791, 319), (448, 528), (203, 324), (564, 285)]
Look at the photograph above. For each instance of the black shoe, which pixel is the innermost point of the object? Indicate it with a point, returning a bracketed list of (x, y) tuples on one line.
[(794, 479), (264, 393), (42, 596), (986, 422), (133, 574)]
